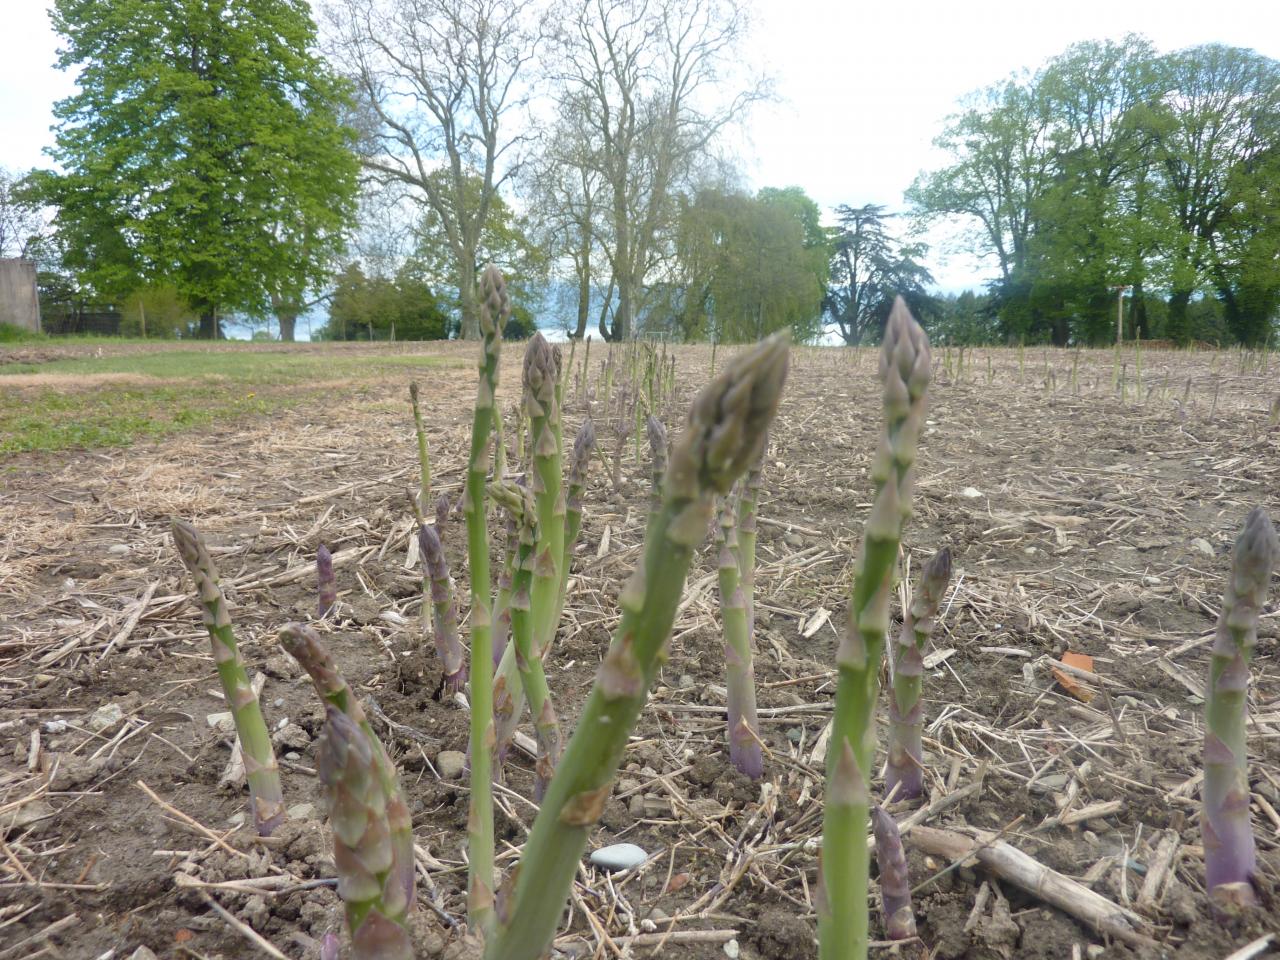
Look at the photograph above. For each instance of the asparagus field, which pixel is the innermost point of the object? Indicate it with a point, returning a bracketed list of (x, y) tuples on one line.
[(1001, 626)]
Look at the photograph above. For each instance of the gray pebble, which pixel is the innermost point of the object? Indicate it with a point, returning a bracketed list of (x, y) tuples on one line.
[(618, 856), (451, 763)]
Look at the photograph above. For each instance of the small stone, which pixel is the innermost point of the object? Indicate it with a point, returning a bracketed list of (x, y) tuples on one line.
[(278, 702), (1150, 581), (293, 755), (635, 806), (618, 856), (625, 785), (732, 950), (224, 723), (302, 811), (686, 681), (292, 736), (795, 734), (1094, 951), (451, 763), (971, 492), (118, 549), (658, 914), (1203, 545), (43, 679), (105, 717), (25, 815), (55, 726), (142, 953)]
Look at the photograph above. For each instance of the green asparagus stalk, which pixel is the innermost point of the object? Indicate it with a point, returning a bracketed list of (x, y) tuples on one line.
[(658, 459), (579, 464), (1229, 857), (452, 657), (424, 460), (326, 584), (265, 795), (502, 605), (360, 812), (394, 897), (744, 736), (842, 913), (748, 506), (726, 425), (904, 773), (542, 405), (895, 886), (495, 310)]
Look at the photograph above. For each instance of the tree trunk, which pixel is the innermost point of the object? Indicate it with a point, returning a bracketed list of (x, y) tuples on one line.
[(584, 288), (1179, 325), (288, 321), (210, 325), (1138, 306), (469, 302)]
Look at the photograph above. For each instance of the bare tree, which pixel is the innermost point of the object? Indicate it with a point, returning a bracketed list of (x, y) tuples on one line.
[(440, 89), (21, 224), (644, 79)]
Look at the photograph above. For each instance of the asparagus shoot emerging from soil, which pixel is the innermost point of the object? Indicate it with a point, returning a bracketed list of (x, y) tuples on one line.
[(442, 514), (494, 311), (726, 426), (1229, 855), (658, 458), (360, 810), (895, 888), (541, 400), (905, 769), (424, 459), (744, 737), (265, 795), (579, 464), (445, 620), (303, 644), (326, 584), (842, 903)]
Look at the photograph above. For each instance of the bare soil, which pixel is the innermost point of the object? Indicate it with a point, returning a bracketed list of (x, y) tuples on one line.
[(1080, 520)]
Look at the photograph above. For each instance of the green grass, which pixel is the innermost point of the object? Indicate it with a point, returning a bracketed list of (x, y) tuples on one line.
[(191, 389)]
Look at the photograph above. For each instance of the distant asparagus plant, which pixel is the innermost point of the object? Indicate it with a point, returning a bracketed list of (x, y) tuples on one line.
[(904, 773), (265, 795), (895, 887), (372, 828), (326, 584), (744, 737), (445, 619), (658, 461), (905, 368), (726, 426), (1229, 857), (494, 311)]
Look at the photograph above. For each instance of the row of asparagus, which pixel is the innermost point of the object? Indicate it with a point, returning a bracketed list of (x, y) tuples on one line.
[(711, 476)]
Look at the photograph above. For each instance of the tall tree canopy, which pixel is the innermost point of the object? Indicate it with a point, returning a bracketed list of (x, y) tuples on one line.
[(203, 149), (746, 267), (869, 268), (1114, 166)]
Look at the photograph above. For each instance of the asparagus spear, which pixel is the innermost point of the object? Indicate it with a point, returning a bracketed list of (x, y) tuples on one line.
[(360, 812), (445, 621), (1229, 857), (326, 584), (905, 769), (424, 460), (303, 644), (541, 399), (265, 795), (895, 887), (658, 457), (726, 426), (579, 464), (744, 736), (842, 913), (495, 310)]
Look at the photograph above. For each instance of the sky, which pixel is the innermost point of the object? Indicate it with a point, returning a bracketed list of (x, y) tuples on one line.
[(863, 87)]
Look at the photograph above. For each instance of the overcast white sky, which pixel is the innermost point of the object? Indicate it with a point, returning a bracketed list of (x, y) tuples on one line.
[(865, 86)]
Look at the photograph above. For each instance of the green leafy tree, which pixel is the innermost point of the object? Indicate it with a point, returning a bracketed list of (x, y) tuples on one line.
[(869, 268), (376, 308), (203, 150), (745, 268)]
